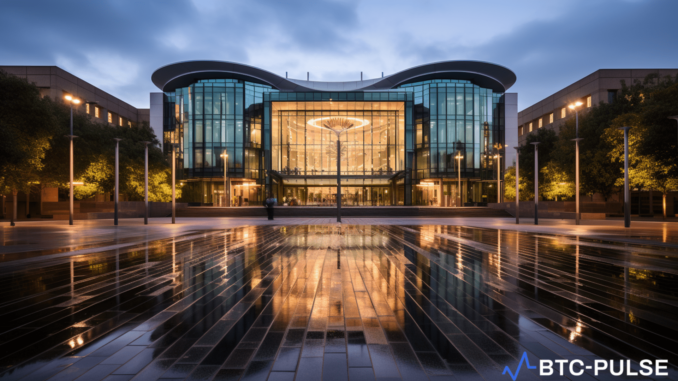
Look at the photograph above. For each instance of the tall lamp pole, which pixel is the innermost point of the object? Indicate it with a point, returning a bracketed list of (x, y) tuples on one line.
[(536, 183), (227, 199), (627, 191), (338, 126), (117, 182), (459, 157), (576, 141), (338, 176), (174, 164), (146, 183), (498, 157), (517, 187), (71, 100)]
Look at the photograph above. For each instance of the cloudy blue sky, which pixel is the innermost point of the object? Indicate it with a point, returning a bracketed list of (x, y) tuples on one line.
[(117, 44)]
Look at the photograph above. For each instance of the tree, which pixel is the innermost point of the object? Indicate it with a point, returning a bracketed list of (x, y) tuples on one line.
[(547, 139), (34, 149), (94, 158), (556, 182), (526, 192), (26, 130)]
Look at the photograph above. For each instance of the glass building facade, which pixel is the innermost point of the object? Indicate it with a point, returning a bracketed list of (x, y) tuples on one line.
[(406, 143)]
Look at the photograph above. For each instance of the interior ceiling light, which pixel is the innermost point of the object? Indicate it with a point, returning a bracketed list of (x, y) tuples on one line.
[(338, 123)]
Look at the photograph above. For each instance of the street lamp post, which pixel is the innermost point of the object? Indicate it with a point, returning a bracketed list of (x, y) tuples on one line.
[(459, 157), (338, 176), (174, 164), (627, 190), (227, 199), (576, 142), (71, 100), (517, 187), (117, 181), (536, 183), (146, 183), (498, 157)]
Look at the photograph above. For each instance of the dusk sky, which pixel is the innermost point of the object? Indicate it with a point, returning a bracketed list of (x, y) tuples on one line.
[(116, 45)]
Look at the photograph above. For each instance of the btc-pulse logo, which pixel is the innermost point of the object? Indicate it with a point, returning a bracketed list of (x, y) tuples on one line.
[(577, 367)]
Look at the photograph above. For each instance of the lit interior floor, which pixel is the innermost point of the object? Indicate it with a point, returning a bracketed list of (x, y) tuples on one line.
[(334, 302)]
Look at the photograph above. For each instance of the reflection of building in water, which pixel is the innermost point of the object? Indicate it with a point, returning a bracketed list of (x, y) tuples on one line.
[(401, 135)]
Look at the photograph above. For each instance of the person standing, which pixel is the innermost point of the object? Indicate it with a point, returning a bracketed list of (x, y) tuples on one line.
[(268, 204)]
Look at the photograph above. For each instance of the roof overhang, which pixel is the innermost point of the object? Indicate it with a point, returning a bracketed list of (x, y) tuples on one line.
[(483, 74)]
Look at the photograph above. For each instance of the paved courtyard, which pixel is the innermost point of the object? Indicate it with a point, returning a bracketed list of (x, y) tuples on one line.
[(309, 299)]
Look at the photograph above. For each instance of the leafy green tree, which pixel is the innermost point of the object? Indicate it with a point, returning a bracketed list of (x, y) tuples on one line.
[(159, 184), (556, 182), (96, 178), (94, 157), (547, 139), (34, 149), (526, 192), (26, 131)]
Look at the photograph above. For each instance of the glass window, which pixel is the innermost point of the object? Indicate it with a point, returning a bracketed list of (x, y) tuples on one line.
[(450, 102), (198, 133), (588, 101), (469, 132), (460, 102), (451, 133), (208, 131), (208, 157), (540, 122), (96, 112), (110, 118), (611, 96), (460, 131), (441, 102), (563, 112), (530, 126), (238, 131), (198, 158), (198, 102), (208, 102), (551, 118), (87, 108), (120, 121)]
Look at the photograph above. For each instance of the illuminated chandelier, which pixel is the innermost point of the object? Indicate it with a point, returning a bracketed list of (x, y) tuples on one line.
[(338, 124)]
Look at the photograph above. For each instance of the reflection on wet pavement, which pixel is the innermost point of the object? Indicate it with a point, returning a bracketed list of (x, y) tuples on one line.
[(331, 302)]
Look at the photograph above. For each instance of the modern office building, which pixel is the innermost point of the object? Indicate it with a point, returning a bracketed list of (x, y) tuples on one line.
[(600, 86), (406, 138)]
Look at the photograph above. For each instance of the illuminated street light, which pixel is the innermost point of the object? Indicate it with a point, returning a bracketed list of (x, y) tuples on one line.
[(71, 100), (627, 193), (517, 186), (146, 183), (459, 157), (576, 170), (536, 183), (117, 181), (174, 176), (227, 199)]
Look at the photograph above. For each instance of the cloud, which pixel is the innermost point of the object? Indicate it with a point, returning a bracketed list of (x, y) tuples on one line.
[(117, 44)]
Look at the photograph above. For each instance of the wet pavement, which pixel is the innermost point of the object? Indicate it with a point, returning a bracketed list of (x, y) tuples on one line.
[(332, 302)]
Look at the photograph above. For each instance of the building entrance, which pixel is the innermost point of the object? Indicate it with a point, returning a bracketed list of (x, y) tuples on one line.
[(327, 196)]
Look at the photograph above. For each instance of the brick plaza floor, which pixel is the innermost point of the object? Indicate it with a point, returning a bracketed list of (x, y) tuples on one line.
[(309, 299)]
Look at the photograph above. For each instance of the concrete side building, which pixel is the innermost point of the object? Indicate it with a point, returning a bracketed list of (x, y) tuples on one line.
[(56, 83), (599, 86), (100, 105)]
